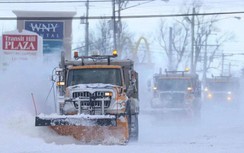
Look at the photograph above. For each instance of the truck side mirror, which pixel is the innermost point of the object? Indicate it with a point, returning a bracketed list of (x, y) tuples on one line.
[(58, 71)]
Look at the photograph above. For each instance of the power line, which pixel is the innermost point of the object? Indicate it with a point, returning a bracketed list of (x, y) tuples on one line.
[(65, 1), (26, 2), (124, 17)]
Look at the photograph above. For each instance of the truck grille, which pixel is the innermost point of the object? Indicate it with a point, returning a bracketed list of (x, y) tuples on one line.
[(96, 103), (172, 97), (92, 99), (86, 94)]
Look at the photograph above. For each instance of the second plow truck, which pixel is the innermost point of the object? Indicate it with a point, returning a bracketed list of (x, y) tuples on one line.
[(222, 90), (177, 91), (97, 100)]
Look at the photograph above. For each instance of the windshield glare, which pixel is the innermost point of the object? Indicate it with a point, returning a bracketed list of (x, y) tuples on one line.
[(87, 76), (173, 84)]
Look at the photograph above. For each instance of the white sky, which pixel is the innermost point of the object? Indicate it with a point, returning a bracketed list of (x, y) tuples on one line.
[(141, 27)]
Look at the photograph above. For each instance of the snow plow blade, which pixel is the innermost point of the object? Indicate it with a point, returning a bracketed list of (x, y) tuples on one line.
[(105, 129), (75, 120)]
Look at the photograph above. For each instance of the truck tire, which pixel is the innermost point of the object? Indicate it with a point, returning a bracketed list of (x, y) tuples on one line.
[(128, 115), (134, 128)]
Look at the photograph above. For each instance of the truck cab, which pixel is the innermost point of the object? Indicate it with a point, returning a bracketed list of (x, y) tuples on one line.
[(176, 91), (93, 92), (222, 90)]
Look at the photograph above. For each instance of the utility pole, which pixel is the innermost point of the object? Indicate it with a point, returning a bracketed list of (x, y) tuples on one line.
[(223, 60), (222, 64), (170, 64), (114, 26), (193, 41), (119, 26), (205, 61), (87, 29), (229, 69)]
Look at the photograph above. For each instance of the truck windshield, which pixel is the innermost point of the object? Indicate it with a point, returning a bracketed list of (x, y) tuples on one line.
[(221, 86), (95, 75), (173, 84)]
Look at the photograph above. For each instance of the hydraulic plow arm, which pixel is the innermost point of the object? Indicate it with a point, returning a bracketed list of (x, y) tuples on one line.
[(76, 120)]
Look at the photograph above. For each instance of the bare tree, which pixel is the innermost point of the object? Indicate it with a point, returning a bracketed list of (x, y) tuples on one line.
[(178, 46), (206, 27), (174, 42), (126, 41), (102, 38)]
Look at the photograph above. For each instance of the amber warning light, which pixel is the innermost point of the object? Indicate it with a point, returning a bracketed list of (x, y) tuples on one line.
[(115, 53)]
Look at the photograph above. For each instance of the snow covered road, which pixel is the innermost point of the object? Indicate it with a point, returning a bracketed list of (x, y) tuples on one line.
[(220, 130), (19, 135)]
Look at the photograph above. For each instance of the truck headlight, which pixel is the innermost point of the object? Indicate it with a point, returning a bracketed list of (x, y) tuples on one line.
[(60, 83), (189, 89), (108, 94), (229, 98), (210, 96)]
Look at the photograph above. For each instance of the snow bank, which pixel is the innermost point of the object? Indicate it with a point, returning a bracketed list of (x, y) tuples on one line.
[(17, 83), (20, 80)]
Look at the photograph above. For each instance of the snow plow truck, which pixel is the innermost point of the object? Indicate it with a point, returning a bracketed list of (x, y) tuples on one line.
[(97, 100), (177, 91), (222, 90)]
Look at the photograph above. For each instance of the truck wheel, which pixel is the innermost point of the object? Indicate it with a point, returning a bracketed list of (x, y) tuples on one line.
[(134, 128), (128, 115)]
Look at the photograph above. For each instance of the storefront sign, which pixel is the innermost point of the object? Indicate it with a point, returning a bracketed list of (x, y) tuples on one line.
[(48, 30), (19, 42)]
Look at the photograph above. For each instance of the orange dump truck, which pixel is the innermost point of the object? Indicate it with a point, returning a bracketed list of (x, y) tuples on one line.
[(97, 100)]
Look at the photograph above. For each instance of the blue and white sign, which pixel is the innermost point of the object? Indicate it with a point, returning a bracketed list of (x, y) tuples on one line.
[(48, 30), (52, 33)]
